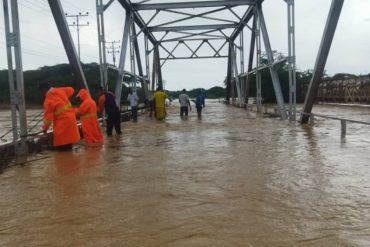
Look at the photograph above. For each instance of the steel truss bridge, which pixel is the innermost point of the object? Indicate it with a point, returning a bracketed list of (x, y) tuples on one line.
[(192, 25), (349, 90)]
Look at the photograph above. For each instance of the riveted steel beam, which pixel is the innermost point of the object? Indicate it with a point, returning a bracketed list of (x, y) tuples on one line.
[(322, 56), (198, 4), (194, 27)]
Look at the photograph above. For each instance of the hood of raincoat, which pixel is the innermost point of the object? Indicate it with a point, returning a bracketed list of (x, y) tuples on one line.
[(83, 94)]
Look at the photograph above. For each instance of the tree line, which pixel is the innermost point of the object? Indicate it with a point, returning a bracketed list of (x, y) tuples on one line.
[(61, 75)]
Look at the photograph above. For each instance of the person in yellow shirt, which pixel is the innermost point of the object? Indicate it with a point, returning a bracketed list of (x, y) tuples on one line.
[(159, 99)]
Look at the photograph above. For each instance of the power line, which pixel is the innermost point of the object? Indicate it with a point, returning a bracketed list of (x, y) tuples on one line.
[(78, 25), (113, 49), (71, 5), (31, 7)]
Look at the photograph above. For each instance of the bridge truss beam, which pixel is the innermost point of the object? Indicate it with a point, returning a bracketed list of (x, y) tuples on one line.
[(322, 56), (192, 4), (16, 83)]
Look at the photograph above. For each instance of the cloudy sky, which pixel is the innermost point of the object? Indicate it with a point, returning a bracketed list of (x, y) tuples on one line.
[(350, 52)]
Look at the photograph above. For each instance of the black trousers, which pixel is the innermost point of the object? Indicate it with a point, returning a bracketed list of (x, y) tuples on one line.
[(134, 112), (199, 111), (114, 120), (63, 148), (184, 110)]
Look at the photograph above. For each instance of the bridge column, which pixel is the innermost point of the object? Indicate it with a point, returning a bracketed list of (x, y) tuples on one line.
[(156, 73), (270, 57), (292, 61), (237, 79), (250, 60), (132, 52), (327, 39), (147, 68), (258, 61), (242, 70), (228, 76), (16, 85), (101, 39), (122, 59)]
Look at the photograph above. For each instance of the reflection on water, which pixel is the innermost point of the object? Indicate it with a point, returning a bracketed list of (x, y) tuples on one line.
[(229, 179)]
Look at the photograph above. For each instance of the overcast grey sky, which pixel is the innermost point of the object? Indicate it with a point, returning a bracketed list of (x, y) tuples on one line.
[(350, 52)]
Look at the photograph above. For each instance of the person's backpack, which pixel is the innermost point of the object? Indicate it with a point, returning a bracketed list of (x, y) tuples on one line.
[(199, 100)]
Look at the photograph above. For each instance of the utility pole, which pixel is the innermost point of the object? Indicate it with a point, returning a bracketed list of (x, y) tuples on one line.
[(113, 49), (77, 24)]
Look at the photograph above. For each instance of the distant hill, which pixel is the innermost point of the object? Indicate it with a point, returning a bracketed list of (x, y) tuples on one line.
[(61, 75), (212, 93), (57, 75)]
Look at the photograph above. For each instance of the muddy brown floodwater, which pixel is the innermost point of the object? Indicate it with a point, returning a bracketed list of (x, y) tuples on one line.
[(230, 179)]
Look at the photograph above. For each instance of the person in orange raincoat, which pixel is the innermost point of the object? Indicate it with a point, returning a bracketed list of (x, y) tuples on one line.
[(89, 121), (58, 110)]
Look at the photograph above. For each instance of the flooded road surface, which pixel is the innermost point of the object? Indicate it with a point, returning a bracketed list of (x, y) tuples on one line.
[(230, 179)]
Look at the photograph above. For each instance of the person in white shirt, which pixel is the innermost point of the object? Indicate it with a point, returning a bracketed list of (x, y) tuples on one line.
[(184, 103), (133, 99)]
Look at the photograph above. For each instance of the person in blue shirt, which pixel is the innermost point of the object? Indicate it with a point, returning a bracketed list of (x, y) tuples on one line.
[(200, 103)]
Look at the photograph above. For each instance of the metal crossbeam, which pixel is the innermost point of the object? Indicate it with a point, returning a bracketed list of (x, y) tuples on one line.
[(245, 19), (126, 4), (191, 16), (194, 27), (198, 4), (206, 33), (178, 58), (194, 39), (194, 54)]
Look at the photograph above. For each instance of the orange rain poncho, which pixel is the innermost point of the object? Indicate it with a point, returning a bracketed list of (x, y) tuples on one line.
[(58, 110), (89, 121)]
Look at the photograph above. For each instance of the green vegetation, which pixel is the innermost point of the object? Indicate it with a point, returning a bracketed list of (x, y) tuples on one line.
[(61, 75), (57, 75), (212, 93)]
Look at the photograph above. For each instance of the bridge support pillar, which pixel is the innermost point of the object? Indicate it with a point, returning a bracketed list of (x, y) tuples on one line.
[(16, 85), (101, 39), (250, 59), (270, 57), (327, 39), (122, 58), (157, 72), (237, 79), (228, 76), (292, 61), (258, 61)]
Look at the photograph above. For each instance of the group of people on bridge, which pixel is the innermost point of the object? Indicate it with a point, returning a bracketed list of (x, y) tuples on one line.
[(59, 111)]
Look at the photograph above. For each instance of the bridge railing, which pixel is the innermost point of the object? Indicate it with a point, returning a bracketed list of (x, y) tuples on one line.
[(343, 121)]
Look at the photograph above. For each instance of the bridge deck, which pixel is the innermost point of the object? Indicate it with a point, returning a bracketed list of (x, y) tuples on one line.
[(230, 179)]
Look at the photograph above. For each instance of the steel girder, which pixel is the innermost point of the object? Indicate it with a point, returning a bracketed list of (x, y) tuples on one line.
[(273, 72), (194, 27), (322, 56), (183, 33), (16, 83), (198, 4), (224, 5), (138, 19)]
